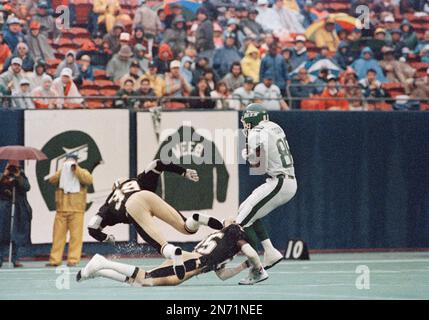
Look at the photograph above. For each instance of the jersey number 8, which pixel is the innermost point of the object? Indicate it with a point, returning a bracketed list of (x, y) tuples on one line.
[(285, 155)]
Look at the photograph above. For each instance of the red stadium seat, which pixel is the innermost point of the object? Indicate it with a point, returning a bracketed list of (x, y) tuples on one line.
[(100, 74), (106, 84), (89, 92)]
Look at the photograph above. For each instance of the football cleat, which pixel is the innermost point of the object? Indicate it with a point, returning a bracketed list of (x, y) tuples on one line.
[(178, 265), (272, 258), (94, 265), (255, 276)]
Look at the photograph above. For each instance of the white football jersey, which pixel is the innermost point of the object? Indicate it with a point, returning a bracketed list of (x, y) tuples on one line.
[(275, 156)]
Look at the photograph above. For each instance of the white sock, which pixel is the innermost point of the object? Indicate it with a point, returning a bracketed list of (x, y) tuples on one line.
[(122, 268), (252, 255), (168, 251), (192, 224), (112, 274), (267, 245)]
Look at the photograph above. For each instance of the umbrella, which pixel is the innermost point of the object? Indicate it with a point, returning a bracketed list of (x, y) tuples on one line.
[(313, 67), (21, 153), (189, 7), (342, 21), (18, 153)]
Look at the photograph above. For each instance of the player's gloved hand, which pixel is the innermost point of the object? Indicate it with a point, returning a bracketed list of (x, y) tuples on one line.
[(245, 154), (110, 239), (192, 175)]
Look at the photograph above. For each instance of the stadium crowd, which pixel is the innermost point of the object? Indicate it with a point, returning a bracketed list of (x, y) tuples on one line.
[(215, 54)]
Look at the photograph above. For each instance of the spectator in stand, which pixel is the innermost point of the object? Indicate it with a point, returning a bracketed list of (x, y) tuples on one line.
[(140, 56), (298, 53), (244, 95), (139, 37), (251, 63), (287, 54), (204, 35), (11, 78), (22, 53), (119, 64), (249, 25), (333, 97), (211, 78), (149, 19), (217, 35), (397, 42), (106, 11), (201, 65), (224, 57), (366, 62), (70, 63), (202, 92), (156, 81), (66, 90), (290, 20), (378, 43), (422, 49), (343, 58), (112, 38), (134, 73), (47, 22), (319, 10), (233, 28), (420, 88), (98, 51), (176, 36), (385, 7), (353, 94), (146, 91), (176, 10), (4, 51), (327, 36), (389, 24), (186, 68), (397, 71), (21, 98), (13, 35), (38, 44), (222, 96), (234, 79), (44, 96), (301, 88), (126, 96), (309, 16), (269, 95), (371, 88), (36, 77), (176, 86), (212, 12), (409, 35), (355, 42), (164, 58), (274, 65), (86, 72)]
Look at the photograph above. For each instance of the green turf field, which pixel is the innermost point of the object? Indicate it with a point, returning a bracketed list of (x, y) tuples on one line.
[(325, 276)]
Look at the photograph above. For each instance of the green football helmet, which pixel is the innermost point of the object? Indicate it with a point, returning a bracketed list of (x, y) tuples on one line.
[(253, 115)]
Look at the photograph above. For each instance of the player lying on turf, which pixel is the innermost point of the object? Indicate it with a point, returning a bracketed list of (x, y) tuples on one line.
[(134, 202), (211, 254)]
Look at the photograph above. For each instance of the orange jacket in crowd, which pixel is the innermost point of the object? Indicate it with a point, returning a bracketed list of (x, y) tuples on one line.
[(334, 103)]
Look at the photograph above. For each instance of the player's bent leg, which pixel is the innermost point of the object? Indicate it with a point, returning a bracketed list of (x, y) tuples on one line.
[(271, 255)]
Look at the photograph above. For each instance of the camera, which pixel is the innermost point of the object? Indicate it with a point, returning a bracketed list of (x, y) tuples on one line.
[(13, 170)]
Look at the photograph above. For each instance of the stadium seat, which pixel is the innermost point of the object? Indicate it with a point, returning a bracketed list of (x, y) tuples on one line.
[(83, 8), (89, 92), (88, 84), (419, 66), (100, 74), (53, 63), (94, 104), (107, 84)]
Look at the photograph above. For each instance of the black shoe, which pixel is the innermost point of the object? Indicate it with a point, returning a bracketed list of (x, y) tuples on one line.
[(78, 276), (215, 224), (51, 265), (178, 266)]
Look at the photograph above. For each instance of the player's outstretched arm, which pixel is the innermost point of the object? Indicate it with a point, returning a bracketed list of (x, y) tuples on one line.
[(95, 230)]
